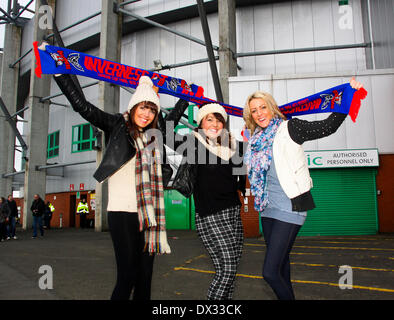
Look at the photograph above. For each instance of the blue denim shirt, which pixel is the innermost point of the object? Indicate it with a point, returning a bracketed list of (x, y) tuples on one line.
[(279, 205)]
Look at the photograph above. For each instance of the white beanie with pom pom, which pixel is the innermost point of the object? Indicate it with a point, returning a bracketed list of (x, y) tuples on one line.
[(144, 92)]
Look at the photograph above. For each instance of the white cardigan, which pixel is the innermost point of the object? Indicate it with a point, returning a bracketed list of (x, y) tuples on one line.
[(290, 162)]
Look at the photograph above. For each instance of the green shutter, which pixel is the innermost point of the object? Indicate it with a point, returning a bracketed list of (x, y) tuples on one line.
[(345, 201), (177, 209)]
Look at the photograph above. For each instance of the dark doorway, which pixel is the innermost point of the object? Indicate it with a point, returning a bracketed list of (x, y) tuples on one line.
[(73, 201)]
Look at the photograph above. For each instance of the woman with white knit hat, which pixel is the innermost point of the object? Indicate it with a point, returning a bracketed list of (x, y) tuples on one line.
[(136, 177), (210, 171)]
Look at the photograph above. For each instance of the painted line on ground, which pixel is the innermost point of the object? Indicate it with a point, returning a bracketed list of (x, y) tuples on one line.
[(317, 247), (336, 266), (295, 281)]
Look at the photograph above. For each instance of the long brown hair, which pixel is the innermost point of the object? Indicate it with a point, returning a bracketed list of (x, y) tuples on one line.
[(133, 129)]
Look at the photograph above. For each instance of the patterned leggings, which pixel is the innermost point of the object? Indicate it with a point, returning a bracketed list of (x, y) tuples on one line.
[(222, 236)]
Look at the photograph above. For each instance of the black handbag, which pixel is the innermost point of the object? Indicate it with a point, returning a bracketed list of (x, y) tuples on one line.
[(185, 179)]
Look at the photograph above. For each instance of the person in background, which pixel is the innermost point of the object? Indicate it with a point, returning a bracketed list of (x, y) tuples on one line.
[(12, 220), (49, 210), (280, 180), (38, 210), (83, 211), (5, 213)]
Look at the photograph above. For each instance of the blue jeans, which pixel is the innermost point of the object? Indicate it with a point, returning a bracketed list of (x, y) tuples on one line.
[(37, 221), (279, 237), (11, 227)]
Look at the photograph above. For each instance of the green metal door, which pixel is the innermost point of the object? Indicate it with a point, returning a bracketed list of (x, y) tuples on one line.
[(345, 201), (177, 209)]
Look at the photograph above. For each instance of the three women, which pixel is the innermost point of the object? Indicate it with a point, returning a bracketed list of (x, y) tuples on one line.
[(277, 171)]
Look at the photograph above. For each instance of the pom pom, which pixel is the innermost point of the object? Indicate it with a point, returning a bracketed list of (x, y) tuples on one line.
[(145, 80)]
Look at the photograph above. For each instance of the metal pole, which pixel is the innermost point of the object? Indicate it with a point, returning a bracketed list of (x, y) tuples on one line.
[(61, 94), (158, 25), (208, 44), (59, 165), (370, 34), (17, 61), (20, 111), (23, 9), (127, 2), (74, 24), (263, 53), (12, 124)]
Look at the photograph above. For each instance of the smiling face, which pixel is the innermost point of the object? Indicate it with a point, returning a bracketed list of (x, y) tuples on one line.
[(144, 115), (212, 126), (260, 112)]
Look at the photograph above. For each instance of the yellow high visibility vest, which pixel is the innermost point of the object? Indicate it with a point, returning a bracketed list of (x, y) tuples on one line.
[(82, 208)]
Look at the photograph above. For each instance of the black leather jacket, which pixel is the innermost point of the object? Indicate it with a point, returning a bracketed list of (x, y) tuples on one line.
[(119, 144)]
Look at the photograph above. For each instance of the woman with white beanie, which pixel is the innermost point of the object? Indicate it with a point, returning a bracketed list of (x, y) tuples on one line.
[(210, 171), (136, 176)]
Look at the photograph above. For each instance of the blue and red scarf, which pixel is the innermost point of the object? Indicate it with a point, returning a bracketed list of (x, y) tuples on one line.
[(57, 60)]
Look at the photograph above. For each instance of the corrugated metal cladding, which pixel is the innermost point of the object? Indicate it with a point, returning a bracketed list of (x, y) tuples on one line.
[(345, 203), (382, 26)]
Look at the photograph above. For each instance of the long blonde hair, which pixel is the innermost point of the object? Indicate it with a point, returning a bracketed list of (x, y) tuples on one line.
[(271, 104)]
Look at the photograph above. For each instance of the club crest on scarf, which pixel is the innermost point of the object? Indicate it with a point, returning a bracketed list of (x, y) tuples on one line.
[(72, 59), (331, 98)]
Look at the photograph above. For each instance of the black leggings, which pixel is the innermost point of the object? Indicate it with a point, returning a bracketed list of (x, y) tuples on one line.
[(279, 237), (134, 267)]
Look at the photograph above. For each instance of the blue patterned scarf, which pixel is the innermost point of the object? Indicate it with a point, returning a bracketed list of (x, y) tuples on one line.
[(258, 158)]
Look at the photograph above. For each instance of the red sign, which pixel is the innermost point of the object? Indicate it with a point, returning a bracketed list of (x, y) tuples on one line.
[(71, 187), (81, 186)]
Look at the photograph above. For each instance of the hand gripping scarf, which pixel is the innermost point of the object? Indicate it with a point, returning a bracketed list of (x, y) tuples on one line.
[(57, 60), (150, 197), (257, 159)]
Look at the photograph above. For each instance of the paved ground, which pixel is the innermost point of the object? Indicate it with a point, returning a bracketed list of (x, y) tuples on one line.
[(83, 267)]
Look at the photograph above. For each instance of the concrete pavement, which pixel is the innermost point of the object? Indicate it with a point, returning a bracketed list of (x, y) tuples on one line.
[(83, 266)]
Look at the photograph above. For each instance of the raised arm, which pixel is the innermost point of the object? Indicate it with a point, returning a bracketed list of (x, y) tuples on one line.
[(302, 130), (89, 112)]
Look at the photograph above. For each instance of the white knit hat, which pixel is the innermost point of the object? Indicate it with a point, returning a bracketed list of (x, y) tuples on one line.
[(210, 108), (144, 92)]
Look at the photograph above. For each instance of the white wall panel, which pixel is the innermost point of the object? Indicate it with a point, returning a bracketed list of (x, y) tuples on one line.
[(363, 138), (283, 37), (71, 11), (323, 31), (264, 39), (382, 99), (245, 39), (303, 36)]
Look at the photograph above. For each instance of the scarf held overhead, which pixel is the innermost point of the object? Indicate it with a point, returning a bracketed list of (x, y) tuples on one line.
[(57, 60)]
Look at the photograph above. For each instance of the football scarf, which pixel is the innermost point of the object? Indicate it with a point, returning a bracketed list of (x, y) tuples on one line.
[(57, 60)]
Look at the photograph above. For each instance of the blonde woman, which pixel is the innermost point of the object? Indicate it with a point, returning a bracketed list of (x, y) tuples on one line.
[(280, 180)]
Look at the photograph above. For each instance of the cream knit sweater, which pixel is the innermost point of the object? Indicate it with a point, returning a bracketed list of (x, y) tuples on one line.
[(122, 190)]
